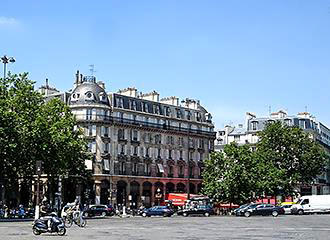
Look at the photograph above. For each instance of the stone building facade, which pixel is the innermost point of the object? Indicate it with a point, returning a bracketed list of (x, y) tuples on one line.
[(248, 135), (143, 146)]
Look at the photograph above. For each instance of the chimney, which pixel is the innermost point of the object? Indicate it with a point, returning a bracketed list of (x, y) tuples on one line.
[(77, 78)]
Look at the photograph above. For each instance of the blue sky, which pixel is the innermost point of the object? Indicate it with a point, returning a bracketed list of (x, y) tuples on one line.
[(235, 56)]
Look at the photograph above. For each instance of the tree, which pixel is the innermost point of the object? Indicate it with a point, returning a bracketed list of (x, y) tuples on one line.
[(19, 104), (229, 176), (283, 158), (31, 130), (295, 155)]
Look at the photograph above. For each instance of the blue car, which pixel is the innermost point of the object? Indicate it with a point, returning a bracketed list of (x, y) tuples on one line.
[(164, 211)]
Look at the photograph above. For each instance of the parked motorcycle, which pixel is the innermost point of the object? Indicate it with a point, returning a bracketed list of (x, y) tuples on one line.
[(41, 226)]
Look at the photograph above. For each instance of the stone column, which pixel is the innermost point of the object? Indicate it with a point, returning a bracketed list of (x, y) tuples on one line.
[(97, 185)]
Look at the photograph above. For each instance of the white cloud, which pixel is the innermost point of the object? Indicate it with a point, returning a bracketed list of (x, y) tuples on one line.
[(8, 21)]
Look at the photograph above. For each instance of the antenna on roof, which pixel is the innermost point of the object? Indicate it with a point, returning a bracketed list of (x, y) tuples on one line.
[(91, 69), (306, 109), (270, 110)]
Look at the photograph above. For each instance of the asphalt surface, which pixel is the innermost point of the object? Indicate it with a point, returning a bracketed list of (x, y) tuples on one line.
[(187, 228)]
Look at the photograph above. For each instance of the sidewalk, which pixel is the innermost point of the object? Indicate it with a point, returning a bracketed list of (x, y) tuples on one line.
[(16, 220)]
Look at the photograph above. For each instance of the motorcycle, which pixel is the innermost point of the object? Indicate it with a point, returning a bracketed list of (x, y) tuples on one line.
[(41, 226)]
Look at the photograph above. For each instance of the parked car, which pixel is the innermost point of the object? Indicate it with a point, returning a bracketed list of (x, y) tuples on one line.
[(164, 211), (205, 210), (238, 210), (98, 210), (287, 207), (263, 209), (241, 210)]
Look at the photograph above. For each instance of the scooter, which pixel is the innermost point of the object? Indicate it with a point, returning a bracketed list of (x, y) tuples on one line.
[(41, 226)]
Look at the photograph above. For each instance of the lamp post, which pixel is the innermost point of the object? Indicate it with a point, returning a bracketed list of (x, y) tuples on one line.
[(5, 59), (38, 166)]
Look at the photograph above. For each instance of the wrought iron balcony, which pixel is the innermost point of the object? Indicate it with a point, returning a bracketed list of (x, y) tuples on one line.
[(118, 120)]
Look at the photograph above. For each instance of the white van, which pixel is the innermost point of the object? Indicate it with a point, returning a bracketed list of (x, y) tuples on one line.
[(312, 204)]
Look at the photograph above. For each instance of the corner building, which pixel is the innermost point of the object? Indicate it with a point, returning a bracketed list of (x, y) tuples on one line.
[(143, 146)]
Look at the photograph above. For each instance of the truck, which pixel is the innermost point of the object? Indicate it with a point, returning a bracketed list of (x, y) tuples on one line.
[(312, 204)]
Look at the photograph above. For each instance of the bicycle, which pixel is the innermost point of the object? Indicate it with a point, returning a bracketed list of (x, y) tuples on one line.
[(74, 217)]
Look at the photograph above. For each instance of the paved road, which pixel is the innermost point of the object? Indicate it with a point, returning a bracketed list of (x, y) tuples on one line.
[(190, 228)]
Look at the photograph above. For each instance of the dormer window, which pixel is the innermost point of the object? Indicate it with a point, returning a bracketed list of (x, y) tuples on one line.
[(89, 96), (103, 98), (74, 97), (254, 125)]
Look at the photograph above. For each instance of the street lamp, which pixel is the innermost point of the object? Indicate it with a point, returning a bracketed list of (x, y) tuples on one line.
[(5, 59), (38, 166)]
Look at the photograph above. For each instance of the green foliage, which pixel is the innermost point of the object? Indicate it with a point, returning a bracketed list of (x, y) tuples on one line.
[(283, 158), (32, 130), (297, 158)]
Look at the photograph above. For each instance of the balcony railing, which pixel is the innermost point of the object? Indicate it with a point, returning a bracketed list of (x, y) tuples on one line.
[(112, 119)]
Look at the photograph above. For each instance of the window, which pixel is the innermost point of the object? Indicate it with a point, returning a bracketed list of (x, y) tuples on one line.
[(170, 154), (167, 111), (181, 155), (122, 167), (91, 130), (178, 113), (121, 134), (105, 131), (147, 168), (135, 135), (237, 138), (159, 153), (305, 201), (106, 147), (133, 105), (254, 125), (135, 168), (181, 141), (147, 151), (103, 98), (288, 122), (146, 107), (188, 114), (191, 143), (156, 109), (89, 113), (122, 149), (92, 147), (302, 123), (134, 118), (119, 102), (89, 96), (135, 150), (158, 139), (191, 156)]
